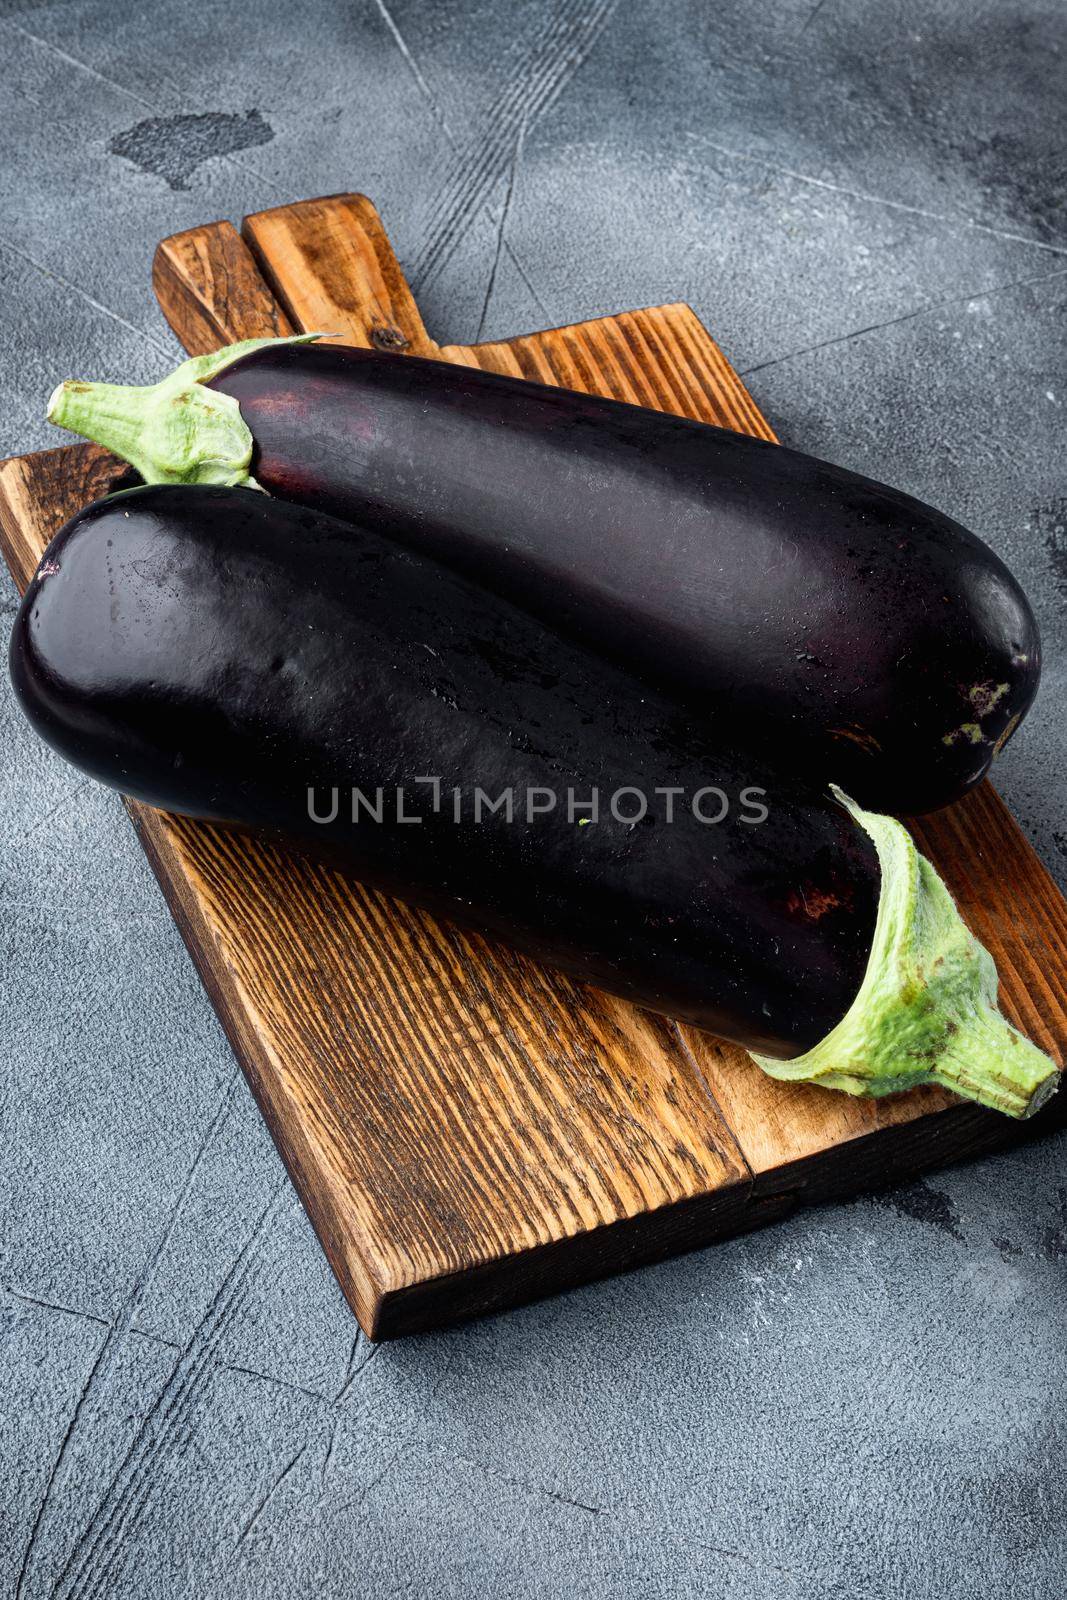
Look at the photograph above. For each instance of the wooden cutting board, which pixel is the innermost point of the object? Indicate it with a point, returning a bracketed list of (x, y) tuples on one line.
[(465, 1128)]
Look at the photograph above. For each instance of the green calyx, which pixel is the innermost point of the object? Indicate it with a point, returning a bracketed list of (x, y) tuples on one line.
[(926, 1011), (175, 431)]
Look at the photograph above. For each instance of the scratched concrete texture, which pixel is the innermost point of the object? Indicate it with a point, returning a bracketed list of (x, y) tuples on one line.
[(864, 199)]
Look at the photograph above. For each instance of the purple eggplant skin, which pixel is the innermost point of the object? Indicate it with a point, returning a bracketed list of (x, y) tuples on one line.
[(863, 634), (218, 653)]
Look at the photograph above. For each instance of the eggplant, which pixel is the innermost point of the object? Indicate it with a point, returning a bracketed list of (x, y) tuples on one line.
[(870, 639), (237, 658)]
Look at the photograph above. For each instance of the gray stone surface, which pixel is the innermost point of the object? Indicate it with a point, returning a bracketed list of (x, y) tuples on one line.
[(864, 200)]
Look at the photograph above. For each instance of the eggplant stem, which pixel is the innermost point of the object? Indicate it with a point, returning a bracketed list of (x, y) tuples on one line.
[(926, 1011), (174, 431)]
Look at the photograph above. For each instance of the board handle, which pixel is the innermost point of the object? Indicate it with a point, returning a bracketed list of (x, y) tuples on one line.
[(210, 289), (331, 266)]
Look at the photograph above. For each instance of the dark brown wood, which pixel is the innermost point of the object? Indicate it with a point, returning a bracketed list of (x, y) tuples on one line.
[(465, 1128), (41, 491)]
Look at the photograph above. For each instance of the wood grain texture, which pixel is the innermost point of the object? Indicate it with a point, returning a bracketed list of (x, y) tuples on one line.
[(208, 279), (467, 1129), (333, 269), (661, 357)]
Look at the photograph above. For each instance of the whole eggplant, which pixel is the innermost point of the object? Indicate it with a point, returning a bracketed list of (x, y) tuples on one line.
[(222, 654), (864, 636)]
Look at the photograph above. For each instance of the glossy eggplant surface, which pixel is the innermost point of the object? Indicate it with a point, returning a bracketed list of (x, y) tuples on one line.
[(858, 634), (234, 657)]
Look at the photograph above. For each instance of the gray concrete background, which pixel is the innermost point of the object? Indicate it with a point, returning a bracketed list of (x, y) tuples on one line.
[(865, 203)]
